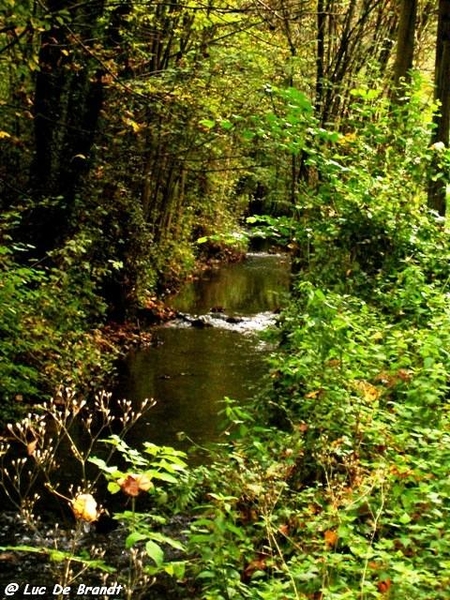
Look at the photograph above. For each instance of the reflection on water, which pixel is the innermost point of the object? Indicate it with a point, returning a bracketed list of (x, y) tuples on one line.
[(190, 370), (255, 285), (189, 374)]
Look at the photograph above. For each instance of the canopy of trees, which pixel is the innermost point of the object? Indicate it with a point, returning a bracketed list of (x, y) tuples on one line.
[(132, 129)]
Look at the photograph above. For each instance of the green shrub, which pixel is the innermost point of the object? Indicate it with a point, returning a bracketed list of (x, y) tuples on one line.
[(46, 330)]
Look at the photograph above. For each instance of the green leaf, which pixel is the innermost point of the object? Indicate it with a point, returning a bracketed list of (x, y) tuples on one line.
[(207, 123), (226, 124), (164, 539), (133, 538), (176, 569), (164, 477), (155, 552), (113, 487), (428, 362), (404, 519)]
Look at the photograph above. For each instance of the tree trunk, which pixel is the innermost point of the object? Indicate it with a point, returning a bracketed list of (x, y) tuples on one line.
[(405, 40), (67, 102), (405, 46), (320, 56), (437, 188)]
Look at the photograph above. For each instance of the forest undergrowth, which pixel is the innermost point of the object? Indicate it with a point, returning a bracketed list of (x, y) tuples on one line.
[(336, 485), (345, 494)]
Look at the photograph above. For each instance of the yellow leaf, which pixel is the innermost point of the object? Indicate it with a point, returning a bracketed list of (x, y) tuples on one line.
[(368, 391), (314, 394), (84, 508), (31, 447)]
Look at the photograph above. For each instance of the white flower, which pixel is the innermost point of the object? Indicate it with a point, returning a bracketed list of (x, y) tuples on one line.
[(438, 146)]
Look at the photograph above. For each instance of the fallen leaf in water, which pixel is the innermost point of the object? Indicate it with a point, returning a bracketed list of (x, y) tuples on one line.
[(8, 557)]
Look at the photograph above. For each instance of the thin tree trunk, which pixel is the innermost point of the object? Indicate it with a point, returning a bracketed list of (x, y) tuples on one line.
[(320, 56), (437, 188), (67, 105), (405, 46)]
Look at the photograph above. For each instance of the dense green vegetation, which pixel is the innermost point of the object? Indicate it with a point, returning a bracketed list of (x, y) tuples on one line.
[(137, 138), (336, 485), (131, 130)]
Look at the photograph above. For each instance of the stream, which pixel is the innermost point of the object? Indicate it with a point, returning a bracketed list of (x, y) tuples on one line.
[(213, 350)]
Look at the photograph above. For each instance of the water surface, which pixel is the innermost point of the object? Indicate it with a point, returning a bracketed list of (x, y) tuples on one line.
[(194, 365)]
